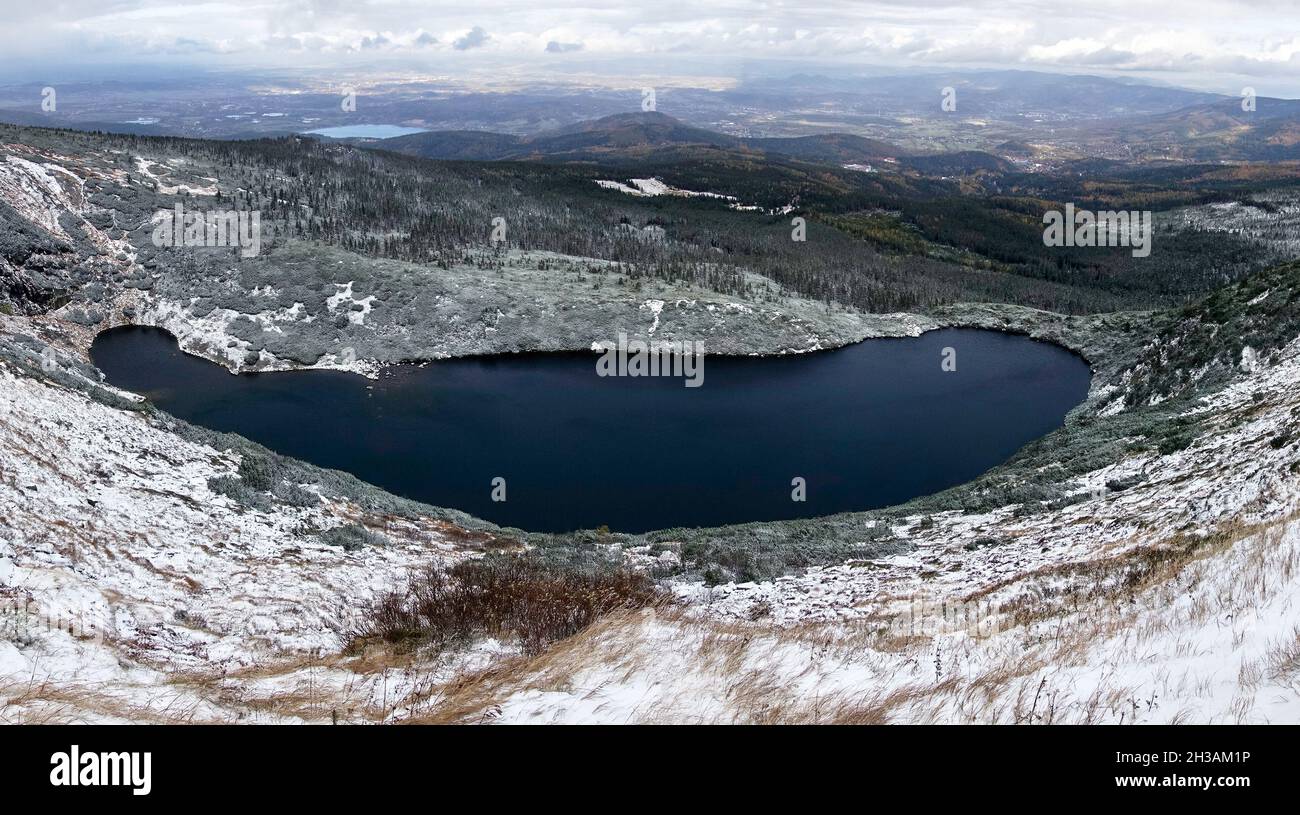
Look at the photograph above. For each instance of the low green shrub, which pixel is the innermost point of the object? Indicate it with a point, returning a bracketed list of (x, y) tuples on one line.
[(351, 537)]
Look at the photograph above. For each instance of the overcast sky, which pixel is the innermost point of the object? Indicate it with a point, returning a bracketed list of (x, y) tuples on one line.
[(1210, 44)]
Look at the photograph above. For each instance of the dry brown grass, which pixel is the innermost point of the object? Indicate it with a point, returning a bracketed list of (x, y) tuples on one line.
[(513, 599), (589, 638), (466, 698), (1025, 677), (48, 702), (1109, 599)]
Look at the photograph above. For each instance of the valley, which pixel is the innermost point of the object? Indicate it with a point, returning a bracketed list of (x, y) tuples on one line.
[(221, 538)]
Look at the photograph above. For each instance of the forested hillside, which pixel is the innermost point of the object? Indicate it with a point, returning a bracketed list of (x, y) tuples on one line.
[(878, 242)]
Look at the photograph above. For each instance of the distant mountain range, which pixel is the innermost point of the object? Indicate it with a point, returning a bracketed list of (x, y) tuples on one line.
[(1217, 131), (1008, 95), (1213, 131), (1040, 121), (635, 138), (631, 136)]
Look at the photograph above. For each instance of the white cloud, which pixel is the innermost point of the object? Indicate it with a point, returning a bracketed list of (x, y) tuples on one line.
[(1202, 40)]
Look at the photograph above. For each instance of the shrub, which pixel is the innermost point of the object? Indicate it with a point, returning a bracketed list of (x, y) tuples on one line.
[(514, 599), (983, 543), (351, 537), (1121, 484), (295, 495), (1175, 442), (259, 472), (714, 576), (236, 490)]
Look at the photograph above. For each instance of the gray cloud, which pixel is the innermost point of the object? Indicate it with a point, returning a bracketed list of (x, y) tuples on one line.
[(556, 47), (474, 38)]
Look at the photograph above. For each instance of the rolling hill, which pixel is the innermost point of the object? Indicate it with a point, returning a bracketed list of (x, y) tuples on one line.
[(1217, 131), (631, 135)]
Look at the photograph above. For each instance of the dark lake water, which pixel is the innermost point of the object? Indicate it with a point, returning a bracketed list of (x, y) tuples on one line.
[(865, 426)]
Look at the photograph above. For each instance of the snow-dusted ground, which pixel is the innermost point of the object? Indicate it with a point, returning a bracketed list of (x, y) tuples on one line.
[(344, 310), (107, 527), (184, 607), (651, 187), (1233, 472), (1216, 639)]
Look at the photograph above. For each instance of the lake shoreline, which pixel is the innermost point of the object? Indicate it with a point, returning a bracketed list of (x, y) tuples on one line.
[(522, 415), (1042, 326)]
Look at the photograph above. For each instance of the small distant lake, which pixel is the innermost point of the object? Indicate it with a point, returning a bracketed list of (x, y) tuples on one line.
[(366, 131), (866, 426)]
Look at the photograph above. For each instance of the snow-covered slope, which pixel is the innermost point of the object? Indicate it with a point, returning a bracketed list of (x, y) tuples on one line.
[(108, 528), (87, 254), (183, 605), (1208, 637)]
